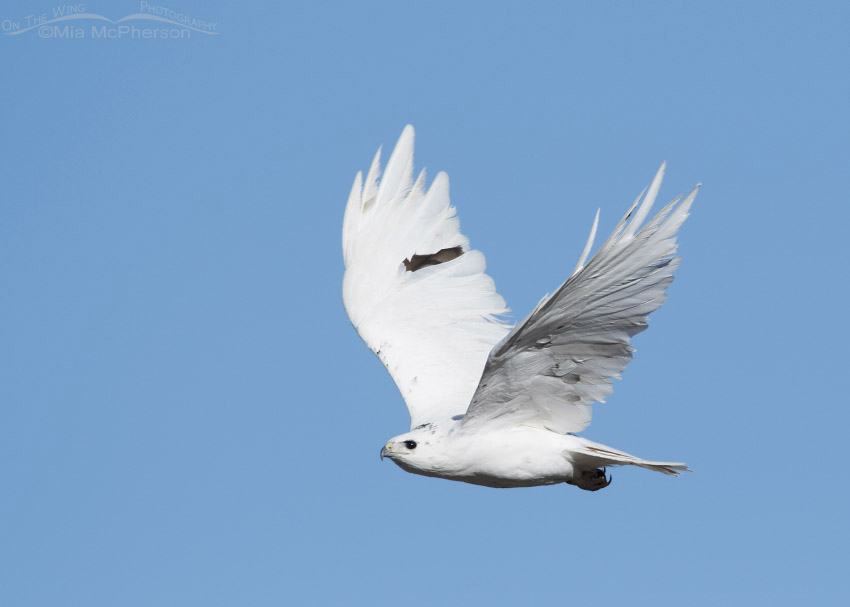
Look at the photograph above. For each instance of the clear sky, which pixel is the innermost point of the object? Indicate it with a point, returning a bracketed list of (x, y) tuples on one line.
[(187, 416)]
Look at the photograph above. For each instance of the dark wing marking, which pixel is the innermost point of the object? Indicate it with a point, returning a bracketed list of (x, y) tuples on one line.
[(434, 259)]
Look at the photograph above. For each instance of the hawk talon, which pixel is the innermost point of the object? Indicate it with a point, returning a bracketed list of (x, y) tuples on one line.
[(592, 480)]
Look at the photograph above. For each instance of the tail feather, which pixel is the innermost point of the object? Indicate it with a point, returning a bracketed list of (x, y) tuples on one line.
[(595, 455)]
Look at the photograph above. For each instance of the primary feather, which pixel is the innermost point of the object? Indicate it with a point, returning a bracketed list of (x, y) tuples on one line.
[(561, 359), (431, 322)]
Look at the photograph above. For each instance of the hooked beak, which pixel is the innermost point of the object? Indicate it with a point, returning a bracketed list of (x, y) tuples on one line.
[(385, 450)]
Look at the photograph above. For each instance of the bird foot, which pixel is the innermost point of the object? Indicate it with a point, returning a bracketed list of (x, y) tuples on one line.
[(591, 480)]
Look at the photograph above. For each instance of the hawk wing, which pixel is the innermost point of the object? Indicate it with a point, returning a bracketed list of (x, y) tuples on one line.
[(561, 359), (414, 290)]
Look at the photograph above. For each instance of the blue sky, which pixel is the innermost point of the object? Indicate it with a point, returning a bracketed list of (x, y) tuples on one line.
[(187, 416)]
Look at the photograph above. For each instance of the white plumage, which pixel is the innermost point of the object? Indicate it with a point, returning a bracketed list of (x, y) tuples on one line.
[(489, 404)]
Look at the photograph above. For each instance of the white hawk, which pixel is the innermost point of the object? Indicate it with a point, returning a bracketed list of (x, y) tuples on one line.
[(492, 404)]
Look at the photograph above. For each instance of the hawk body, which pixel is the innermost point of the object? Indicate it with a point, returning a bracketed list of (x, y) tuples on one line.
[(492, 404)]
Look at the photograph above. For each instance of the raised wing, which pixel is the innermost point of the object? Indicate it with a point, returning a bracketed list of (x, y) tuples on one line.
[(415, 292), (561, 359)]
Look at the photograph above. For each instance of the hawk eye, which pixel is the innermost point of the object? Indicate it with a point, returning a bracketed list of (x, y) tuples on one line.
[(410, 444)]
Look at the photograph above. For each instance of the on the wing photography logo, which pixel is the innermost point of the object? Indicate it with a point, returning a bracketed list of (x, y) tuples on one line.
[(74, 22)]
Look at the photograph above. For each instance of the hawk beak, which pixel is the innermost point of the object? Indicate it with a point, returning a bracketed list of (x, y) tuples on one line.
[(385, 451)]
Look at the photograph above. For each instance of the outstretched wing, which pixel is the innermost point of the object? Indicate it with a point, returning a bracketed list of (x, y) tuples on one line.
[(415, 292), (561, 359)]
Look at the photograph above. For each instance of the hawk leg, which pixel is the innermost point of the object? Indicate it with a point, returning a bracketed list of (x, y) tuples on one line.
[(591, 480)]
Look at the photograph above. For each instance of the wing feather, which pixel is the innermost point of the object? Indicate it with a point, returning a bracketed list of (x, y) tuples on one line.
[(554, 365), (433, 326)]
